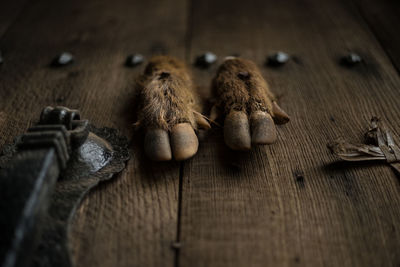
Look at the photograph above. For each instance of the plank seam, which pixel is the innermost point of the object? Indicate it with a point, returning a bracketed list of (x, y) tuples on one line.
[(178, 228), (188, 43)]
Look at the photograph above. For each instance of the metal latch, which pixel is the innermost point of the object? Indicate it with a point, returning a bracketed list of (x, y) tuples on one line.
[(44, 176)]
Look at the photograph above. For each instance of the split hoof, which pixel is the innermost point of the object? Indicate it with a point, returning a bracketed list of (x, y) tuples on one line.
[(157, 146), (237, 131), (184, 141), (263, 131)]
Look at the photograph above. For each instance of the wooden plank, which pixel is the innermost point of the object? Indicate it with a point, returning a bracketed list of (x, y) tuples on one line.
[(290, 204), (383, 17), (132, 220), (8, 13)]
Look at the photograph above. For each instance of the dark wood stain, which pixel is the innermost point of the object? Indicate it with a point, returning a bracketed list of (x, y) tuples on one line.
[(281, 205), (226, 208)]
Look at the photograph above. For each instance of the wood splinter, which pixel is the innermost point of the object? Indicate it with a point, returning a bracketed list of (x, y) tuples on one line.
[(249, 107), (168, 110)]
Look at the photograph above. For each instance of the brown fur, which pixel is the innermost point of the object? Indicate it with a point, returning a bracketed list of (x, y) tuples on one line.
[(166, 94), (239, 85)]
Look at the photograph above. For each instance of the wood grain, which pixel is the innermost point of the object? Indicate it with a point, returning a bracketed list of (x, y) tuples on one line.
[(381, 17), (291, 203), (132, 220), (287, 204)]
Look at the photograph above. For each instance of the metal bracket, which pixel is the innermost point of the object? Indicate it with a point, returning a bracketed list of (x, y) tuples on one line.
[(47, 171)]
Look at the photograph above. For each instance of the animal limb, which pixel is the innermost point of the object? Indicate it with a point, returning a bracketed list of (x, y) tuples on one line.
[(167, 112), (249, 107)]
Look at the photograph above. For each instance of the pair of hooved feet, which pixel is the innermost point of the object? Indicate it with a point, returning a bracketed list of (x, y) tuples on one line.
[(168, 108)]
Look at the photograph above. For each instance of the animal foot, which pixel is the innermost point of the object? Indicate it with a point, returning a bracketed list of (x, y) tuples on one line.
[(167, 110), (248, 106)]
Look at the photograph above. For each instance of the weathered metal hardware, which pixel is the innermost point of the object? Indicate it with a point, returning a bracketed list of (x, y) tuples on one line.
[(277, 59), (134, 60), (351, 59), (206, 60), (45, 175), (63, 59)]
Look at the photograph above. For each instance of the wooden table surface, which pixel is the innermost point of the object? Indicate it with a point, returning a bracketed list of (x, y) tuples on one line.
[(288, 204)]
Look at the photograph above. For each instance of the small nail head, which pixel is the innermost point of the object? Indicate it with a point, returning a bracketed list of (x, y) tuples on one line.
[(134, 60), (278, 59), (65, 58), (299, 176), (206, 60), (351, 59)]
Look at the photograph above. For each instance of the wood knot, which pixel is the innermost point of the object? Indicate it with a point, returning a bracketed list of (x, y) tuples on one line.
[(299, 177)]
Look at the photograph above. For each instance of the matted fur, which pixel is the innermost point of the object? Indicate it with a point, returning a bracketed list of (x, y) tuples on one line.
[(166, 94), (239, 85)]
